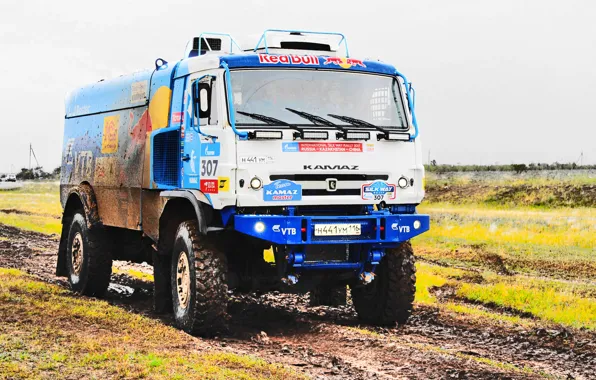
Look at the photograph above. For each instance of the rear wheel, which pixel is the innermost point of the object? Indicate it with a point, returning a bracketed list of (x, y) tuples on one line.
[(389, 298), (89, 263), (198, 278), (329, 296)]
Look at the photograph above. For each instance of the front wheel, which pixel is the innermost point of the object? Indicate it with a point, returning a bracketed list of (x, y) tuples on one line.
[(199, 284), (390, 297)]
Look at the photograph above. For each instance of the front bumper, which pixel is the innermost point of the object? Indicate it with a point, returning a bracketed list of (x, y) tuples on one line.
[(294, 230)]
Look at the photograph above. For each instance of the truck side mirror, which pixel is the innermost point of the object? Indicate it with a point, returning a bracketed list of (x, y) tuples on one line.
[(412, 94)]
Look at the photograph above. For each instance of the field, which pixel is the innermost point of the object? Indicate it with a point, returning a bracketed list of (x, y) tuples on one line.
[(506, 287)]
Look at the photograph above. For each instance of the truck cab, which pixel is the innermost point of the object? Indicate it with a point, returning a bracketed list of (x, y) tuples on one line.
[(289, 166)]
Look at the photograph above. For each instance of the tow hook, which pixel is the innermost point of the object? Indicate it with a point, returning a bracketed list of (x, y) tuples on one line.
[(367, 277)]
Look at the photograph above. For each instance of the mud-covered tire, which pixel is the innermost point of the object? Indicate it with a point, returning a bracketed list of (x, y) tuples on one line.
[(329, 296), (203, 310), (389, 298), (88, 261)]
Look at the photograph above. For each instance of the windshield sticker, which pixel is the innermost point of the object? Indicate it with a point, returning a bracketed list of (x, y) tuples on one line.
[(289, 59), (282, 190), (312, 147), (210, 150), (378, 191), (344, 63)]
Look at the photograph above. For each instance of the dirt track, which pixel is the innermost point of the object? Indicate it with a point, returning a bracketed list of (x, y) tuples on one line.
[(326, 342)]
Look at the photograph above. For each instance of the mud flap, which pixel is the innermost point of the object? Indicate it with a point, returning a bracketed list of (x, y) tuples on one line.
[(162, 293), (61, 269)]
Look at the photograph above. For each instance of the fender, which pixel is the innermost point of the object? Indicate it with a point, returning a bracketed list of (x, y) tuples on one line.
[(196, 203)]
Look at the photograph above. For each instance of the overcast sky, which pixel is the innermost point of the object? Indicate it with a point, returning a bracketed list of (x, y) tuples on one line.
[(497, 81)]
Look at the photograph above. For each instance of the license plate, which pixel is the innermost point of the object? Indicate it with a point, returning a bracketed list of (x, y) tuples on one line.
[(338, 229)]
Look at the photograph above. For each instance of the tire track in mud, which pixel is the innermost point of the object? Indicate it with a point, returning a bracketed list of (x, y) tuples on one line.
[(329, 343)]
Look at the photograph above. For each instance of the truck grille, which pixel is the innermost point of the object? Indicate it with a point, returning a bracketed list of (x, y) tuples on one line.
[(348, 184)]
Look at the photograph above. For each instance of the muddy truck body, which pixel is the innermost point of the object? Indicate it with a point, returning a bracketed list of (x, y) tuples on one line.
[(290, 166)]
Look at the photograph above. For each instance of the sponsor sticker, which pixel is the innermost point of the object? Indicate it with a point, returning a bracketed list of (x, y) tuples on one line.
[(209, 168), (209, 186), (312, 147), (378, 191), (370, 147), (224, 184), (290, 147), (289, 59), (177, 117), (138, 92), (344, 63), (282, 190), (256, 160), (210, 150), (284, 230), (109, 141)]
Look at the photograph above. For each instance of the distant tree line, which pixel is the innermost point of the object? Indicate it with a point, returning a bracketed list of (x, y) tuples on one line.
[(37, 173), (518, 168)]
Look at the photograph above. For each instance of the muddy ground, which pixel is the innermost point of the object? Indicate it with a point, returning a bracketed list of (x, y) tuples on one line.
[(329, 343)]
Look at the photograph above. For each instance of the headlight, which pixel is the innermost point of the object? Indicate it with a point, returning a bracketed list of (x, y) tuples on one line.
[(402, 182), (259, 227), (416, 224), (256, 183)]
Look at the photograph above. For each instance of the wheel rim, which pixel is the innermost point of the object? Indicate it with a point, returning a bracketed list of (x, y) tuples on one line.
[(183, 280), (77, 253)]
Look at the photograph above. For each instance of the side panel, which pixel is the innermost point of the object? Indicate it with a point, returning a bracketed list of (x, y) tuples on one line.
[(106, 150)]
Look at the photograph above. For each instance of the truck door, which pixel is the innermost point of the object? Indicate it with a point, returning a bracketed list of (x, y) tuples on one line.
[(208, 147)]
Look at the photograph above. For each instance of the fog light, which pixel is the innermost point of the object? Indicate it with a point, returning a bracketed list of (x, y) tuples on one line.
[(256, 183), (265, 135), (392, 136), (312, 135), (416, 224), (402, 182), (259, 227), (349, 135)]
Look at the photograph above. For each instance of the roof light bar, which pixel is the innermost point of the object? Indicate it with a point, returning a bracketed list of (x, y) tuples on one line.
[(311, 135), (351, 135), (394, 136), (265, 135)]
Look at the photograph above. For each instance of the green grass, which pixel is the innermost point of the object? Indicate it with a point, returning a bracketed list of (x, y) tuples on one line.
[(568, 303), (135, 273), (556, 242), (47, 333), (40, 202)]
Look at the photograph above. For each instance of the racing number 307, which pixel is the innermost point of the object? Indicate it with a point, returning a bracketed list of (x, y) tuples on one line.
[(208, 168)]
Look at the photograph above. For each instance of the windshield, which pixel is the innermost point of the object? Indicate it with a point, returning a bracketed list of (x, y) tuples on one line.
[(367, 98)]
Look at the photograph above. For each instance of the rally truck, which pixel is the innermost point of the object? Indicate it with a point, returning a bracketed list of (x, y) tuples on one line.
[(290, 166)]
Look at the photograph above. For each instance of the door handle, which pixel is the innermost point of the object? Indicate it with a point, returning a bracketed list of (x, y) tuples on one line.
[(186, 158)]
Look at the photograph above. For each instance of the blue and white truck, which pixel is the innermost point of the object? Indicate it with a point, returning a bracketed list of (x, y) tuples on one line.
[(199, 166)]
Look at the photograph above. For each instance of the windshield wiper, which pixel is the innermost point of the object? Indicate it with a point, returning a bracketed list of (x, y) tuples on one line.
[(358, 122), (268, 119), (316, 120)]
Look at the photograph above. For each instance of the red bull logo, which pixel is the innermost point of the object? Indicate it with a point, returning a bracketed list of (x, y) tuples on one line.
[(289, 59), (345, 63)]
